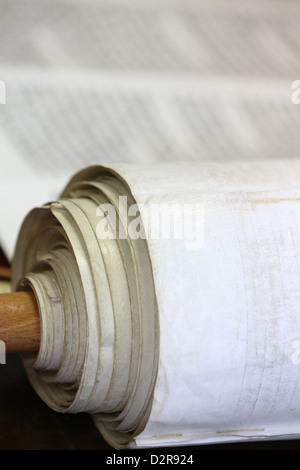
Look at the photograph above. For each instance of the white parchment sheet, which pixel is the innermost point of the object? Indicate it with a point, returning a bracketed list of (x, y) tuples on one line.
[(228, 311)]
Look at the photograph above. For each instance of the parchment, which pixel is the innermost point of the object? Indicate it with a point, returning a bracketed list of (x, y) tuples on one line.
[(171, 340)]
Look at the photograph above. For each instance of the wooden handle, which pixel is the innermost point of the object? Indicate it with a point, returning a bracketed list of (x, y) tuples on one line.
[(19, 322), (4, 272)]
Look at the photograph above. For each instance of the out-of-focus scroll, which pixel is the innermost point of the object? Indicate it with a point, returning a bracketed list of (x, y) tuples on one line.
[(112, 81)]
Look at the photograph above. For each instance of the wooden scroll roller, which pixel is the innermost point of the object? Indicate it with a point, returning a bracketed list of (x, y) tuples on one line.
[(20, 322), (4, 272)]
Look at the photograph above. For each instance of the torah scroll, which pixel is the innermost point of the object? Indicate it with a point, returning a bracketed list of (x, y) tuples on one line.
[(169, 301)]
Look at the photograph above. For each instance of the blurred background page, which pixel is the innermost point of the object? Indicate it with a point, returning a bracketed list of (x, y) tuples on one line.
[(105, 81)]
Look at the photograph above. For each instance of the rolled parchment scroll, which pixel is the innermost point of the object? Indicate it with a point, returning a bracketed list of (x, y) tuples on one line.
[(169, 301)]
